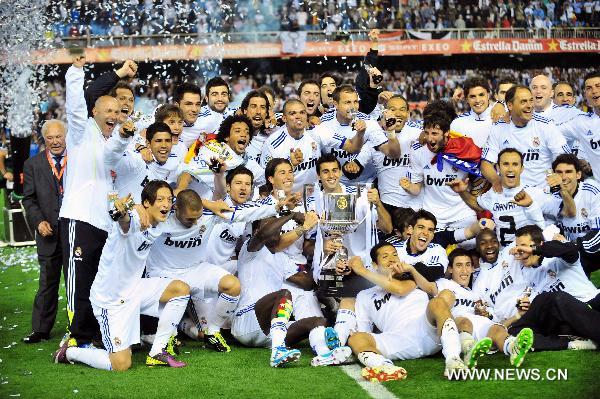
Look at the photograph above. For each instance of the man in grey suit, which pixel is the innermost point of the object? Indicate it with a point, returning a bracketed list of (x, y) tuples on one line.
[(43, 187)]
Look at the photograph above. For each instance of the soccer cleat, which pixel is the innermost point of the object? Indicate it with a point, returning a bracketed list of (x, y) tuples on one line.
[(582, 345), (173, 346), (60, 356), (481, 348), (387, 372), (216, 342), (339, 355), (163, 359), (332, 339), (281, 356), (453, 365), (520, 346)]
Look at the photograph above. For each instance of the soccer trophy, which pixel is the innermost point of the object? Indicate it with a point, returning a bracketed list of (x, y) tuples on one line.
[(339, 218)]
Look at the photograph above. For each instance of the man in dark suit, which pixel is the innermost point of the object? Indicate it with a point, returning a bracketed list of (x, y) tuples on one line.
[(43, 187)]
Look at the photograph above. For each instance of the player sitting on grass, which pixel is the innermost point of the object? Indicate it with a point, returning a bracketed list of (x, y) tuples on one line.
[(405, 316), (463, 303), (119, 294)]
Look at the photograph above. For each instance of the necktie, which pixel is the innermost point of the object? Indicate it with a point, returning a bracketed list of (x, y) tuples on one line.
[(57, 165)]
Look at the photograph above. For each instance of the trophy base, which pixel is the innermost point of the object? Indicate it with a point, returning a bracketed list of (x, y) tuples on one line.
[(330, 283)]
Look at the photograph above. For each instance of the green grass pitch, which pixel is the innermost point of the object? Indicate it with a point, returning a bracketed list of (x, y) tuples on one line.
[(26, 371)]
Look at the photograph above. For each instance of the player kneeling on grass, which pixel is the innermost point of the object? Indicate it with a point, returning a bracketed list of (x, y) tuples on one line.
[(119, 294), (405, 316), (463, 304)]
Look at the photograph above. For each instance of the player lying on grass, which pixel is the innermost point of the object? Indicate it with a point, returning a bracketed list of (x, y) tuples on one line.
[(262, 316), (411, 325), (119, 294), (463, 303)]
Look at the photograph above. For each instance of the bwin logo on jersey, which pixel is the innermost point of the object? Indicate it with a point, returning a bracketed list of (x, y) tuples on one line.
[(404, 161), (532, 155), (379, 302), (144, 246), (439, 181), (340, 153), (306, 165), (190, 243), (227, 236), (464, 302)]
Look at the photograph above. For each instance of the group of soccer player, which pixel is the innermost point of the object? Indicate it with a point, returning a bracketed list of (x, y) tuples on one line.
[(475, 232)]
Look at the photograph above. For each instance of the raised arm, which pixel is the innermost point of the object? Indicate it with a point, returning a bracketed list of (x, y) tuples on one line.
[(75, 105), (391, 285)]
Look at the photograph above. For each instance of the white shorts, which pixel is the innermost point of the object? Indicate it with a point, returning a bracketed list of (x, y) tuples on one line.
[(120, 325), (417, 338), (245, 328), (304, 303), (481, 325), (202, 278)]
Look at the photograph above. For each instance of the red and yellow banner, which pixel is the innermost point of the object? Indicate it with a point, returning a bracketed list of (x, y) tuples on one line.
[(320, 49)]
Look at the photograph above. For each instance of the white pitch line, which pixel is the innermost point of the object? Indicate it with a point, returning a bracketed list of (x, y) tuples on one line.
[(375, 389)]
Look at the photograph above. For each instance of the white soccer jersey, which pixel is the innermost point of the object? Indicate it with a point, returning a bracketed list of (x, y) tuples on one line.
[(560, 114), (279, 145), (585, 128), (587, 201), (433, 256), (465, 297), (388, 312), (474, 126), (332, 135), (255, 147), (390, 171), (133, 173), (208, 122), (438, 198), (555, 274), (181, 247), (261, 273), (539, 141), (122, 263), (198, 167), (219, 246), (509, 216)]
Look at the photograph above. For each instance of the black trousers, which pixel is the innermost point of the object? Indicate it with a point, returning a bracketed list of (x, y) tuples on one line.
[(45, 304), (558, 313), (19, 148), (82, 247)]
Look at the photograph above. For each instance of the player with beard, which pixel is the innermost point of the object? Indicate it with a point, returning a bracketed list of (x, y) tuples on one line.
[(477, 122), (84, 211), (293, 143), (344, 131), (426, 176), (132, 173), (119, 294), (585, 127), (212, 114), (563, 93), (393, 166), (536, 137), (517, 205), (234, 137), (309, 93), (188, 97), (257, 108), (411, 326)]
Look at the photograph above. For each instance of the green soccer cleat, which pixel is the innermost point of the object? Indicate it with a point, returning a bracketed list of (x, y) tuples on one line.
[(173, 346), (216, 342), (520, 346), (481, 348)]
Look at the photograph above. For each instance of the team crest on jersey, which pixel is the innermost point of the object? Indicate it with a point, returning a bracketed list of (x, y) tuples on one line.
[(504, 264), (314, 146), (552, 273), (202, 229), (584, 213), (342, 203), (536, 142), (78, 252), (454, 169), (117, 341)]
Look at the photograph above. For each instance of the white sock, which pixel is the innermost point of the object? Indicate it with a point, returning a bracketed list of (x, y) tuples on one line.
[(508, 344), (466, 341), (199, 310), (189, 328), (278, 332), (450, 340), (345, 323), (372, 359), (168, 321), (316, 337), (222, 310), (93, 357)]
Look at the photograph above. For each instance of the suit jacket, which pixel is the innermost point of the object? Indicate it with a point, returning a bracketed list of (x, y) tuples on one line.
[(41, 200)]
